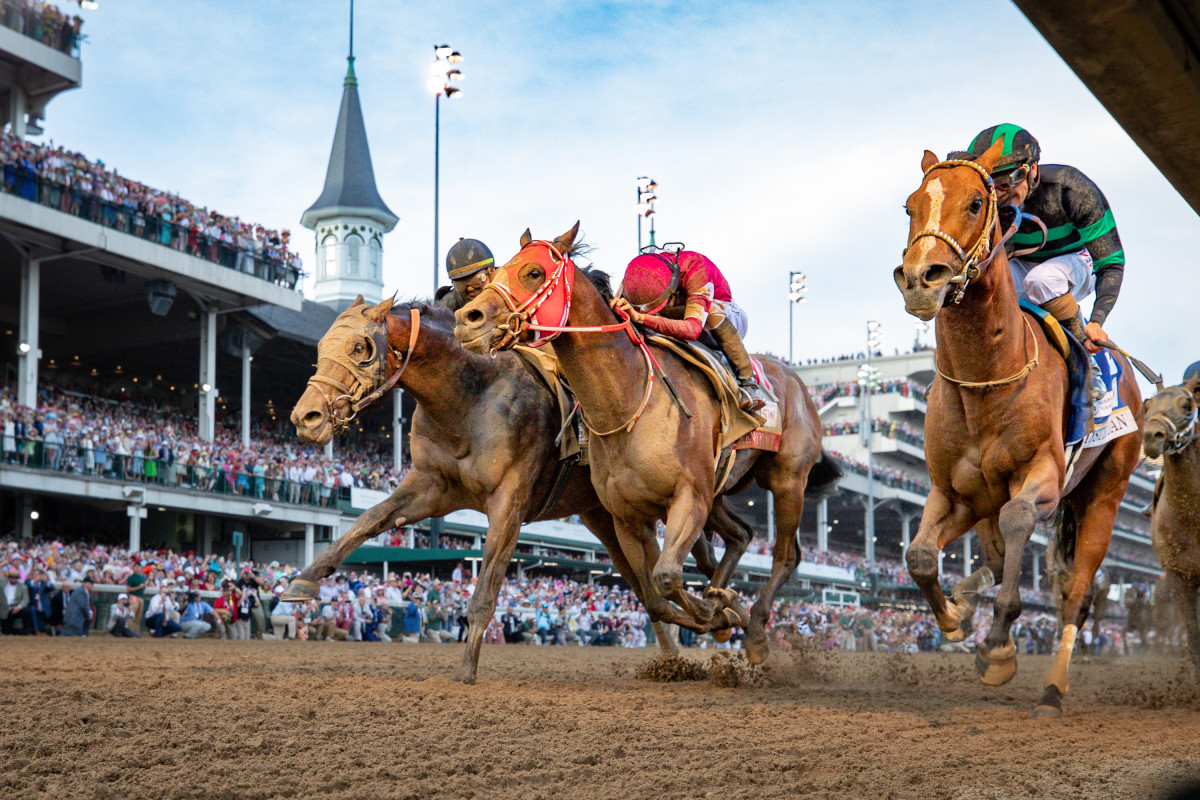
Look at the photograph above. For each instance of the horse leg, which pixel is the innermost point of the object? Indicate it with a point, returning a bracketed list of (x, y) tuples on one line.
[(789, 505), (966, 593), (736, 533), (684, 520), (504, 524), (639, 544), (942, 522), (996, 658), (600, 522), (1183, 592), (1095, 530), (420, 495)]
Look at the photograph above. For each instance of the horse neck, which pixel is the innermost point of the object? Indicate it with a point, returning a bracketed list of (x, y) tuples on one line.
[(444, 379), (1182, 472), (983, 338), (605, 370)]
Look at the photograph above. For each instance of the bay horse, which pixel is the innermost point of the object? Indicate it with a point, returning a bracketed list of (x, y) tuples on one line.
[(1171, 432), (483, 437), (651, 461), (995, 425)]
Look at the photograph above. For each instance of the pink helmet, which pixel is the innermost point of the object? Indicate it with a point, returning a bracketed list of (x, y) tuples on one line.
[(650, 280)]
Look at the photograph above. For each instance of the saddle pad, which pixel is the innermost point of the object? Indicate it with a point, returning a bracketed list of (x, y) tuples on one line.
[(1113, 418), (545, 364), (1079, 370), (736, 424)]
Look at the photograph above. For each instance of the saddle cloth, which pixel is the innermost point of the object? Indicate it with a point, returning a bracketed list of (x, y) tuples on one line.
[(739, 429), (1111, 416)]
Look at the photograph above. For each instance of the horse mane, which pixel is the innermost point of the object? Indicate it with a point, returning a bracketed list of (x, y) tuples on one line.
[(435, 311), (601, 280)]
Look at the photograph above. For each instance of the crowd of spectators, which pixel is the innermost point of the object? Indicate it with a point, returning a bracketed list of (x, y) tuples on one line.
[(918, 347), (115, 435), (44, 22), (894, 478), (889, 428), (824, 392), (65, 180)]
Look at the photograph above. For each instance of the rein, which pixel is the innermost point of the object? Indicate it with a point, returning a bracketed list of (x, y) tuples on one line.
[(523, 316), (357, 401)]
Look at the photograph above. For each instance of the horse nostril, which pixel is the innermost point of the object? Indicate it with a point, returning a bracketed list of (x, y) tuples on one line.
[(312, 419), (936, 274), (1158, 435), (474, 316)]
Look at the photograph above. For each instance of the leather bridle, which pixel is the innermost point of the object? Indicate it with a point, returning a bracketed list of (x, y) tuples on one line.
[(361, 395)]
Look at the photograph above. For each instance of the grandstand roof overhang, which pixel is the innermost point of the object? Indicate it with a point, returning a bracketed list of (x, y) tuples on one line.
[(41, 70), (1142, 62)]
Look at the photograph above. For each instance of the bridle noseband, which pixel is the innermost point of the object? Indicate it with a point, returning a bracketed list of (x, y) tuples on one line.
[(1180, 437), (355, 396)]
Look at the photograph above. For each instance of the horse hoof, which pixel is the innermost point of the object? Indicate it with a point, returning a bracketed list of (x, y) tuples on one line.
[(464, 677), (995, 673), (299, 591), (723, 635), (1046, 712), (757, 649), (955, 635)]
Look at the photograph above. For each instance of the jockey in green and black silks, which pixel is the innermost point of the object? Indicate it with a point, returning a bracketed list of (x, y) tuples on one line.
[(1082, 252), (469, 263)]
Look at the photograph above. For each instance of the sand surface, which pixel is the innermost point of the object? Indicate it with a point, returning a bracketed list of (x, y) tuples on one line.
[(104, 718)]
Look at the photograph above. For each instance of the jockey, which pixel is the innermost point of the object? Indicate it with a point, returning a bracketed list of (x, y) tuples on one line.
[(1082, 253), (681, 294), (469, 264)]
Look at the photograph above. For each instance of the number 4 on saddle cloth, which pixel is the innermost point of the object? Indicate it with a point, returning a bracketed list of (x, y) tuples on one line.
[(1111, 417)]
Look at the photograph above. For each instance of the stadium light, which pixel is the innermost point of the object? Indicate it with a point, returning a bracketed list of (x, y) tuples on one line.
[(206, 388), (89, 5), (645, 206), (797, 287), (24, 347), (442, 51), (33, 515), (441, 84), (868, 378)]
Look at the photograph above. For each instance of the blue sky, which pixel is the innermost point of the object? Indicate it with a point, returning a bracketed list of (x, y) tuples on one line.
[(784, 135)]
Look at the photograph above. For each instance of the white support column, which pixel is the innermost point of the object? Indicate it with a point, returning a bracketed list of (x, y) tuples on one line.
[(329, 449), (17, 103), (823, 524), (385, 572), (1037, 570), (906, 530), (29, 351), (137, 513), (475, 568), (246, 359), (397, 429), (771, 518), (206, 537), (967, 554), (310, 542), (208, 375)]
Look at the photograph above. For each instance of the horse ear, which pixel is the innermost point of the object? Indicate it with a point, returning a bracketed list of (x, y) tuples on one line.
[(526, 238), (564, 242), (358, 301), (991, 155), (380, 312), (928, 160)]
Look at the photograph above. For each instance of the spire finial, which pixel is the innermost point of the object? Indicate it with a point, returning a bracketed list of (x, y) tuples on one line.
[(351, 78)]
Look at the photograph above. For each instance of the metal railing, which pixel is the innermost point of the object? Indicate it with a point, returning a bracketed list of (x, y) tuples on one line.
[(73, 459), (25, 183), (44, 23)]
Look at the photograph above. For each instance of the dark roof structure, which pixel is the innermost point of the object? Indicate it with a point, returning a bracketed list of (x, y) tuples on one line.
[(350, 178), (305, 327), (1142, 62)]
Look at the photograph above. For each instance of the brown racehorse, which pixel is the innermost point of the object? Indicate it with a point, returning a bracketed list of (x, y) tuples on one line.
[(994, 430), (649, 460), (1171, 432), (482, 438)]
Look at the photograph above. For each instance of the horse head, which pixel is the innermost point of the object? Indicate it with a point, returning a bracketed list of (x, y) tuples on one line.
[(531, 291), (1171, 418), (352, 363), (955, 205)]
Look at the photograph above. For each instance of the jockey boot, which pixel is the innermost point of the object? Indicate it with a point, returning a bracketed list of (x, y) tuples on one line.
[(1066, 310), (727, 336)]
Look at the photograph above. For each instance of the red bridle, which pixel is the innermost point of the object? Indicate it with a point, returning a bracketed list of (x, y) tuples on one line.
[(551, 303)]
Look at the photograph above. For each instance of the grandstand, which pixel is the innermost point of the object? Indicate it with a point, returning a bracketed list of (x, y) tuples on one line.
[(131, 306)]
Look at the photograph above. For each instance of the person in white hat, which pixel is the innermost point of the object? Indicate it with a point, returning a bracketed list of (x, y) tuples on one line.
[(120, 617)]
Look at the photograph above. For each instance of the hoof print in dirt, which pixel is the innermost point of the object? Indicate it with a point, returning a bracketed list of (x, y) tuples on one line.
[(668, 669)]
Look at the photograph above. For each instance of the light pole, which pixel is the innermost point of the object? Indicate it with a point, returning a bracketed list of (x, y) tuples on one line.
[(796, 290), (443, 73), (645, 206), (922, 328), (868, 380)]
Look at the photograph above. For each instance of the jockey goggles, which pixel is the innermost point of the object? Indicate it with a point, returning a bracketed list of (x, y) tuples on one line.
[(1005, 181)]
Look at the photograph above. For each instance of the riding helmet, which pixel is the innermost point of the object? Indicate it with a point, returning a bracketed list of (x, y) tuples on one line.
[(467, 257), (1191, 372), (1019, 146)]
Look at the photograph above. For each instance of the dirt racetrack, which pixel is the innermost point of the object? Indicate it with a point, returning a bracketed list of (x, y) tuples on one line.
[(104, 718)]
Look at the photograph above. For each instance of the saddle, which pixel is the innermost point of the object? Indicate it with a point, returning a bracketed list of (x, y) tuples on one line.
[(545, 364), (740, 430)]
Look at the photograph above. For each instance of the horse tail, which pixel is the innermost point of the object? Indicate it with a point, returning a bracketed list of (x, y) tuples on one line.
[(1060, 555), (822, 478)]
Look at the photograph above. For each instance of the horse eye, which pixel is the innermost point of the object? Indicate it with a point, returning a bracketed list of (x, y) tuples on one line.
[(907, 210), (535, 273), (976, 205)]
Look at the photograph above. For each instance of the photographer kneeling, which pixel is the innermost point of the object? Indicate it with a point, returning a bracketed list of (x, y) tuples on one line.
[(120, 617)]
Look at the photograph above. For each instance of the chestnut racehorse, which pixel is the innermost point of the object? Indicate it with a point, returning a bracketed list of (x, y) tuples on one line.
[(482, 438), (995, 426), (649, 459)]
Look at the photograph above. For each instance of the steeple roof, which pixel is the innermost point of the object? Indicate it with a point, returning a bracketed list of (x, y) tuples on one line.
[(350, 178)]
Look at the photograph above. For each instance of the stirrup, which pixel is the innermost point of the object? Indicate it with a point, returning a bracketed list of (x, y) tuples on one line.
[(751, 401)]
